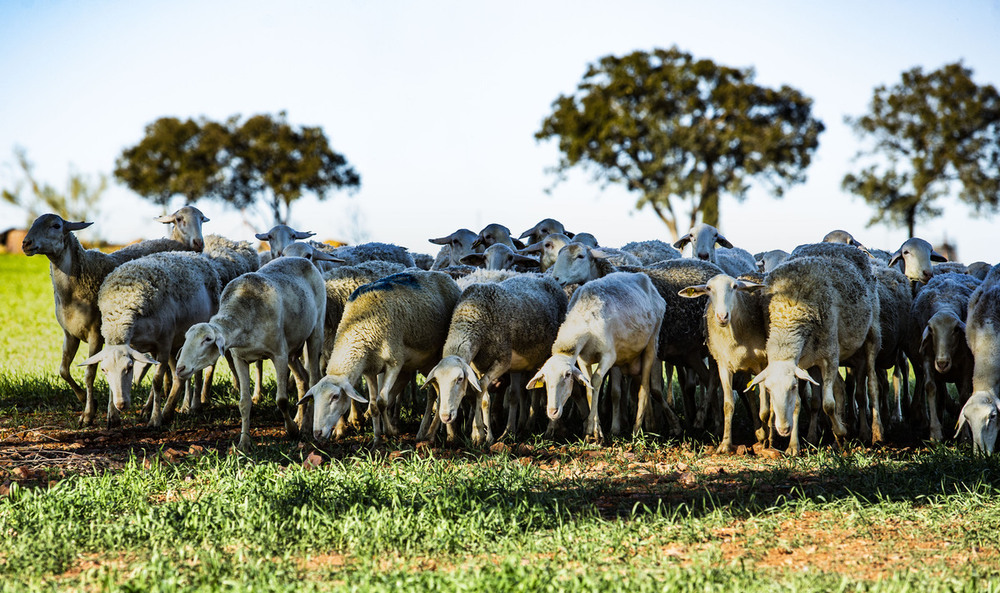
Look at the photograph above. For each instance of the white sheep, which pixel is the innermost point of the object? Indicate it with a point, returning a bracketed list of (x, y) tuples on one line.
[(703, 239), (281, 236), (917, 255), (271, 313), (936, 342), (500, 257), (547, 249), (321, 259), (651, 252), (822, 310), (394, 325), (736, 321), (545, 227), (495, 328), (146, 306), (980, 414), (496, 233), (982, 332), (612, 321), (453, 248), (187, 222), (77, 274), (768, 260)]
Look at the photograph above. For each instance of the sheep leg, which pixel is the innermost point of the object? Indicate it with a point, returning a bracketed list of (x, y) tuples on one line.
[(931, 386), (831, 406), (728, 405), (793, 440), (430, 422), (242, 368), (95, 342), (514, 403), (649, 362), (258, 388), (156, 413), (303, 415), (175, 390), (280, 362), (70, 345), (378, 406), (206, 389), (593, 425), (614, 382), (391, 410)]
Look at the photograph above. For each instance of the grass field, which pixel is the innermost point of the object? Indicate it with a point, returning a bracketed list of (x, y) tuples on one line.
[(85, 509)]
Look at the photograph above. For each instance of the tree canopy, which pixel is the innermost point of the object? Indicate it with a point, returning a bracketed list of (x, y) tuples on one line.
[(931, 133), (671, 128), (237, 163)]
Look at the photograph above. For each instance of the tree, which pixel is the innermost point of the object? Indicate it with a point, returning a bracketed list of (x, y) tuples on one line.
[(668, 128), (238, 164), (931, 133), (79, 202)]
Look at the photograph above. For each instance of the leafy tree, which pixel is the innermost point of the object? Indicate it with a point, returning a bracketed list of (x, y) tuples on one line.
[(79, 202), (239, 164), (931, 133), (670, 128)]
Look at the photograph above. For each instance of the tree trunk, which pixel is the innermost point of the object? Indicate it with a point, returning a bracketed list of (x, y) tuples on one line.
[(670, 221), (911, 221), (710, 209)]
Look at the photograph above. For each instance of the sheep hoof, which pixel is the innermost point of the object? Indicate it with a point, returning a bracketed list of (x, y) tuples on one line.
[(725, 449), (244, 444)]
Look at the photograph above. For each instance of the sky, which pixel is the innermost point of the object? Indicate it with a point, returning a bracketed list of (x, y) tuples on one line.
[(436, 103)]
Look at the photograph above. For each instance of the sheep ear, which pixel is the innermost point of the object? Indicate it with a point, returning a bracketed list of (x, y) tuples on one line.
[(308, 397), (349, 390), (76, 226), (925, 338), (961, 420), (895, 258), (205, 218), (804, 375), (474, 259), (935, 256), (683, 241), (166, 218), (440, 240), (141, 357), (299, 235), (723, 241), (746, 286), (517, 244), (472, 377), (324, 256), (579, 376), (568, 234), (756, 380), (430, 380), (599, 253), (477, 243), (536, 382), (262, 236), (526, 233), (94, 359), (695, 291), (533, 248)]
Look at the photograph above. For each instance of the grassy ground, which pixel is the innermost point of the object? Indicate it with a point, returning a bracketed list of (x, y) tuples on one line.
[(85, 509)]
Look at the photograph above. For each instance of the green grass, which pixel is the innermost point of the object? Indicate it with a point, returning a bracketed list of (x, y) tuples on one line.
[(640, 514)]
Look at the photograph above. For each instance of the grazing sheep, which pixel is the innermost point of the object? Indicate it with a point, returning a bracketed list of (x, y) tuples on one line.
[(917, 255), (980, 414), (821, 310), (982, 331), (496, 233), (612, 321), (737, 325), (769, 260), (544, 228), (77, 274), (454, 247), (394, 325), (500, 257), (936, 342), (651, 252), (495, 328), (271, 313), (146, 306)]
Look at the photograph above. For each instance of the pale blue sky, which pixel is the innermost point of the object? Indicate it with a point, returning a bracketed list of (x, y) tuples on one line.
[(436, 102)]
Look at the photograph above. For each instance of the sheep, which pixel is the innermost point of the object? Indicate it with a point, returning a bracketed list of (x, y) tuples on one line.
[(982, 332), (821, 310), (146, 306), (769, 260), (500, 257), (501, 327), (394, 325), (936, 342), (682, 339), (547, 249), (544, 228), (187, 223), (454, 247), (612, 321), (271, 313), (355, 254), (281, 236), (423, 261), (917, 255), (895, 302), (703, 239), (737, 325), (586, 238), (978, 269), (980, 414), (496, 233), (77, 274), (840, 236), (650, 252)]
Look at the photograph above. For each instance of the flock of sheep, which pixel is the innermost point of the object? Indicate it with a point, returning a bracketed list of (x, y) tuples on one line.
[(554, 334)]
